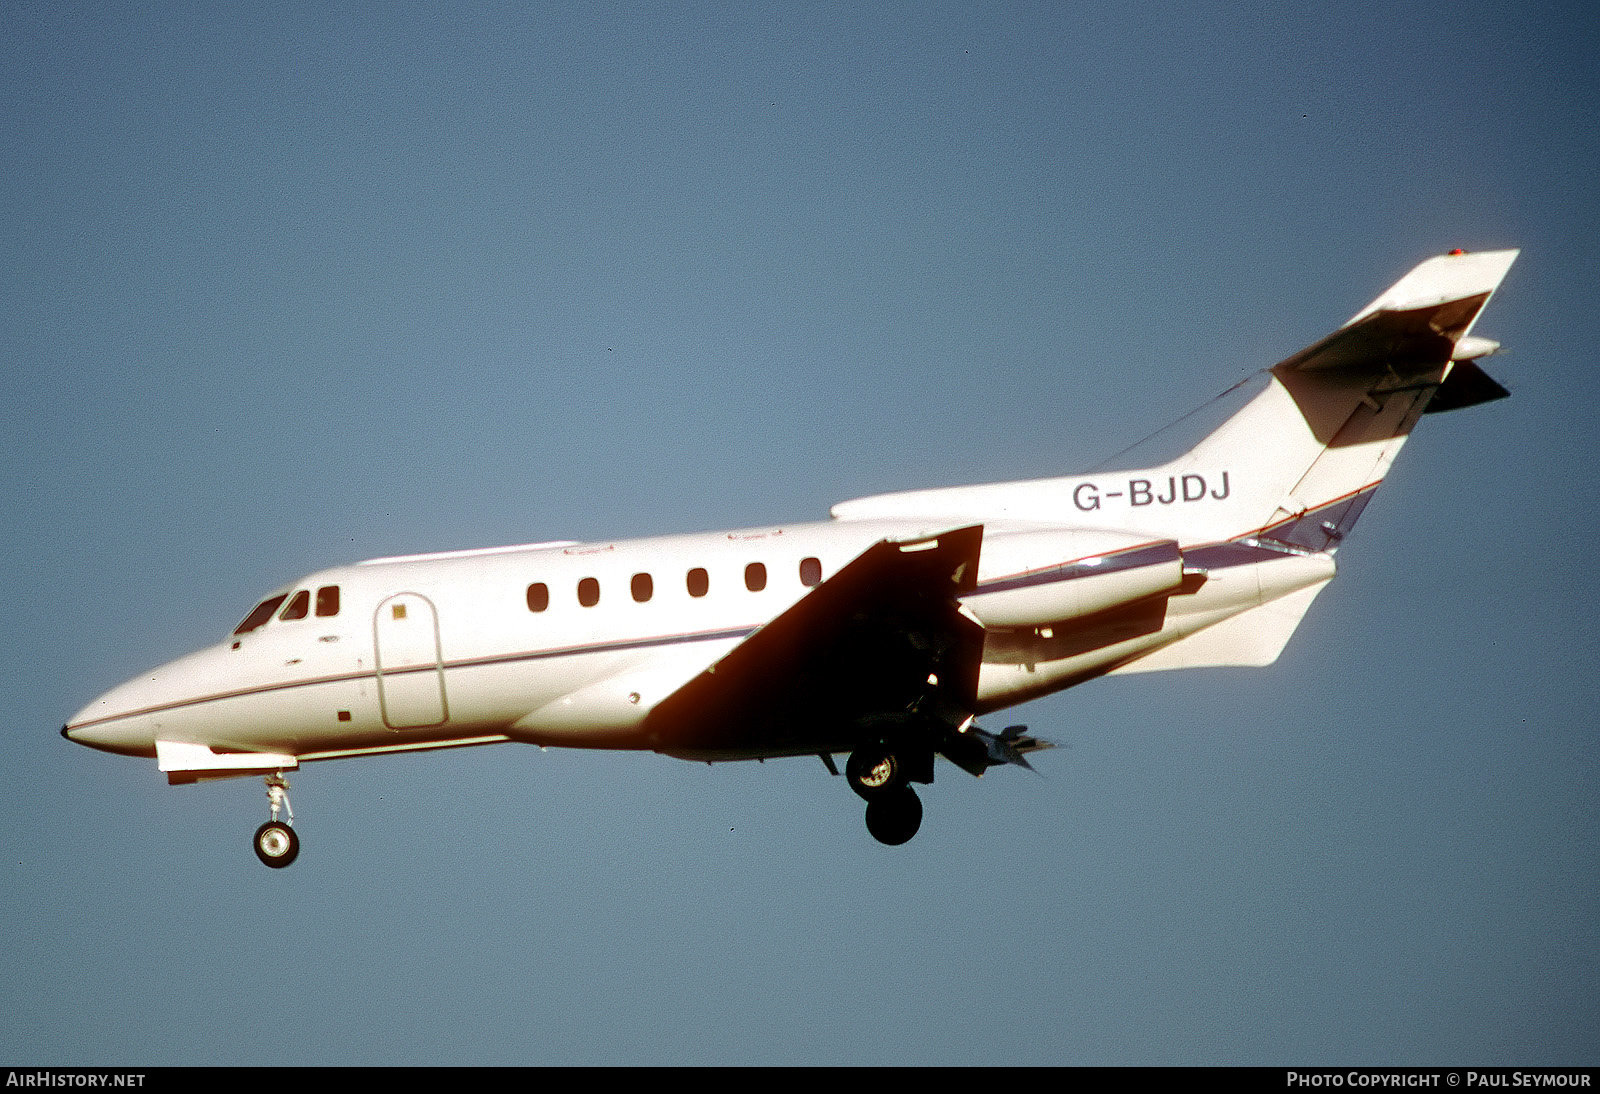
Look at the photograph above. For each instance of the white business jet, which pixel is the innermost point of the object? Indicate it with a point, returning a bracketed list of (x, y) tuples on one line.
[(883, 633)]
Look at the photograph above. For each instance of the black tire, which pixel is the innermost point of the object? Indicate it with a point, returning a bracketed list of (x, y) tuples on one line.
[(873, 771), (276, 844), (894, 818)]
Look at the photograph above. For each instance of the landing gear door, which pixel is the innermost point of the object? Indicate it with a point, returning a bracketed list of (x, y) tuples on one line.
[(410, 669)]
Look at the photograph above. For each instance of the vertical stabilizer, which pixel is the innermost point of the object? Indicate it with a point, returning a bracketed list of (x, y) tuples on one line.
[(1320, 436), (1298, 460)]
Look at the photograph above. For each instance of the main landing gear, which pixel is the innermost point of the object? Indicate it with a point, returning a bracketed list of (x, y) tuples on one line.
[(881, 772), (880, 775), (275, 843)]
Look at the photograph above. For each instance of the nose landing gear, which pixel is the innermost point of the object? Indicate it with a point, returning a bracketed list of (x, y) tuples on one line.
[(275, 843)]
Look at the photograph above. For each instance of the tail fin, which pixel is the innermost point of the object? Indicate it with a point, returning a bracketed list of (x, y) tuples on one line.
[(1299, 459), (1322, 433), (1330, 421)]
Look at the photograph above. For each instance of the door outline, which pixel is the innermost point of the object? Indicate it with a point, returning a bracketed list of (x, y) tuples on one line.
[(411, 691)]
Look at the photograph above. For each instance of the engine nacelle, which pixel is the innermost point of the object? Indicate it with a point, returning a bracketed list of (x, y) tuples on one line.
[(1040, 576)]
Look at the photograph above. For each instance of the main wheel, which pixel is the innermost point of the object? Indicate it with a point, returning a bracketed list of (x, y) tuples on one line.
[(276, 844), (894, 818), (873, 771)]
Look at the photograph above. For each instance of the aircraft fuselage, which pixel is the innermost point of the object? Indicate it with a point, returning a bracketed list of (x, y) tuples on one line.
[(884, 632)]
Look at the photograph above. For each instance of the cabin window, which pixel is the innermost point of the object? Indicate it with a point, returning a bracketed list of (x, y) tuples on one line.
[(328, 600), (755, 577), (299, 607), (699, 582), (538, 596), (643, 587), (589, 592), (260, 613), (810, 572)]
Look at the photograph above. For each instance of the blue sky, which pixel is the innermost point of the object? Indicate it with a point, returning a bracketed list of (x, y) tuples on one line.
[(286, 288)]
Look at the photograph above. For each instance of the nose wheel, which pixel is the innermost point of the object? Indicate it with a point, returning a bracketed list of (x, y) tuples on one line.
[(275, 842)]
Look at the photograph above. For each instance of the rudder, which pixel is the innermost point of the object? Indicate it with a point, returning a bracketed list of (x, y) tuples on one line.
[(1322, 434)]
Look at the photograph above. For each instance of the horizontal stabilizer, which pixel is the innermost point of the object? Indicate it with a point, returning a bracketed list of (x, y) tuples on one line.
[(1467, 385), (1416, 324), (1453, 276), (1405, 340)]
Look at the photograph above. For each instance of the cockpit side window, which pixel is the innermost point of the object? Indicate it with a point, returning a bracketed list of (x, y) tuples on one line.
[(260, 613), (299, 606), (328, 600)]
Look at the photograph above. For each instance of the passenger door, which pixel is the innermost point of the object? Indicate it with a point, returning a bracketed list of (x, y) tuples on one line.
[(409, 665)]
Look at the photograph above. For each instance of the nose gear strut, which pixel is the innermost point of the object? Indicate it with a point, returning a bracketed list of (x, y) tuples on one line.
[(276, 843)]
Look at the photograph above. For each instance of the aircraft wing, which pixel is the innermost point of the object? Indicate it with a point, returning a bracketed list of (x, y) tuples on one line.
[(882, 637)]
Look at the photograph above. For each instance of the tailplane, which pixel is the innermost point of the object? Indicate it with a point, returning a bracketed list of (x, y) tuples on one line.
[(1305, 445), (1333, 416), (1324, 430)]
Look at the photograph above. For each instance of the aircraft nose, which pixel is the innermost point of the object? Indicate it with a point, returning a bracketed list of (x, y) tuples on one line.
[(112, 723), (160, 702), (86, 735)]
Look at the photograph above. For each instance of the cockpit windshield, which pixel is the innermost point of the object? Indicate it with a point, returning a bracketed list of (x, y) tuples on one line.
[(260, 614)]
